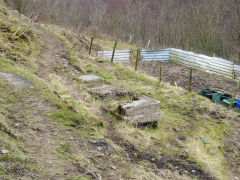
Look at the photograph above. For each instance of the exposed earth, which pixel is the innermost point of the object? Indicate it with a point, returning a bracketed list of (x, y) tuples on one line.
[(53, 125)]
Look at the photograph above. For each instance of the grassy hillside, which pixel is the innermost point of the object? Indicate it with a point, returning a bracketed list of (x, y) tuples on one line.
[(52, 127)]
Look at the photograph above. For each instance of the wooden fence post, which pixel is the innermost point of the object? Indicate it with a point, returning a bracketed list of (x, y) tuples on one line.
[(90, 49), (160, 71), (137, 59), (114, 48), (190, 81), (234, 96)]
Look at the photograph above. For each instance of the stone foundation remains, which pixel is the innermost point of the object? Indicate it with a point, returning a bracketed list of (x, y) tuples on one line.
[(143, 110)]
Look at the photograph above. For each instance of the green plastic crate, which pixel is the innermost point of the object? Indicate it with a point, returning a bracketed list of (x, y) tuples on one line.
[(228, 101), (207, 92), (217, 97)]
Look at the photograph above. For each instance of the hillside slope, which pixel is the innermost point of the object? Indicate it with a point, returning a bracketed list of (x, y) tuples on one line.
[(52, 127)]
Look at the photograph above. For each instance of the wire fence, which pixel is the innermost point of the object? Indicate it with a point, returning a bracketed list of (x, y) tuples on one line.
[(213, 65)]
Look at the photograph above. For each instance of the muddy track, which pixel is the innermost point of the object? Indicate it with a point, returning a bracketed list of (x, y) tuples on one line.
[(180, 163)]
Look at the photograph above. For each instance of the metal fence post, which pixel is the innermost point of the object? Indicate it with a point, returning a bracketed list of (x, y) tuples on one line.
[(160, 71), (234, 95), (137, 59), (190, 81), (90, 49), (114, 48)]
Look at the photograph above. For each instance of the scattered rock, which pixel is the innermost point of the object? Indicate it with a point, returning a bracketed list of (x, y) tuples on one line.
[(153, 159), (113, 167), (205, 140), (193, 171), (2, 49), (159, 157), (187, 150), (213, 152), (4, 151), (100, 155), (168, 145), (181, 146), (163, 173), (180, 143), (101, 145)]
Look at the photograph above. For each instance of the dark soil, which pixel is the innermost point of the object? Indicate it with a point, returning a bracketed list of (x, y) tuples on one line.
[(179, 163), (161, 161), (179, 74)]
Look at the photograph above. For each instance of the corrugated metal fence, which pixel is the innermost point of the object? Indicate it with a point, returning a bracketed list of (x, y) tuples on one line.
[(119, 56), (205, 63), (155, 55)]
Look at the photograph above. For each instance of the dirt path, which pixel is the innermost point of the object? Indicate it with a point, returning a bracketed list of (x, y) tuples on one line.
[(42, 137)]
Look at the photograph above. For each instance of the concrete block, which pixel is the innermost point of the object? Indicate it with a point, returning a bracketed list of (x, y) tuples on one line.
[(91, 78), (156, 116), (140, 111)]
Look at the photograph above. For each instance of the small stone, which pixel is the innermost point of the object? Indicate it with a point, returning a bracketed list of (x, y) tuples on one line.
[(4, 151), (182, 146), (2, 49), (193, 171), (213, 152), (163, 173), (153, 159), (180, 143), (205, 140), (168, 145), (159, 157), (71, 138), (100, 155), (113, 167)]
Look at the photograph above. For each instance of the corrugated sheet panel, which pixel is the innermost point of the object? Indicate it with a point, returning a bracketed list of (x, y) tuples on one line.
[(205, 63), (155, 55), (221, 67), (237, 71), (119, 56), (208, 64), (190, 59)]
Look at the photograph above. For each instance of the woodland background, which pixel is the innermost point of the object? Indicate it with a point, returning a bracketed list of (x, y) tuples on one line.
[(211, 27)]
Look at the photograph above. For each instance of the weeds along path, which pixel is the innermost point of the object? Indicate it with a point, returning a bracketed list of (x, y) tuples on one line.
[(28, 113), (55, 68)]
